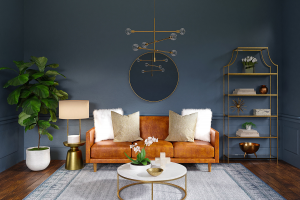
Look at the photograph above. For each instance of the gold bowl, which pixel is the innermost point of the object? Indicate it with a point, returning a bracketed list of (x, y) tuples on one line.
[(155, 171), (249, 147)]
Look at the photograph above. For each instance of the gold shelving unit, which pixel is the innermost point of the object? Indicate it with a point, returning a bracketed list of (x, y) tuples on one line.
[(226, 95)]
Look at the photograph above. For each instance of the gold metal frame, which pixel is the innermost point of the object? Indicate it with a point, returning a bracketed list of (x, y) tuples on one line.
[(161, 60), (151, 182), (227, 116)]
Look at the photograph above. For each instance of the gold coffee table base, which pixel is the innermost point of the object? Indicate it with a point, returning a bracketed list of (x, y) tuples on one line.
[(152, 182)]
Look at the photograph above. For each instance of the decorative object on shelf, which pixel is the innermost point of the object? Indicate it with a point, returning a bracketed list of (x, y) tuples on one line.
[(248, 125), (238, 105), (155, 171), (249, 63), (144, 46), (141, 163), (244, 91), (247, 133), (262, 112), (249, 148), (74, 109), (36, 94), (162, 160), (154, 86), (263, 89)]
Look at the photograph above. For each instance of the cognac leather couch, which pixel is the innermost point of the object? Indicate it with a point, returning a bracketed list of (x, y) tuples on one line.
[(198, 151)]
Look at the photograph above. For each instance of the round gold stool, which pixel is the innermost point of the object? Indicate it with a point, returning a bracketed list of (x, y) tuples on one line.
[(74, 159)]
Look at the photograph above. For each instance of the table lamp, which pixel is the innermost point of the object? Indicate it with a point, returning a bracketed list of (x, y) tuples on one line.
[(74, 109)]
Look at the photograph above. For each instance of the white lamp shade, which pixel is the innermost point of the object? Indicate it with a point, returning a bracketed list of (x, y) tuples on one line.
[(74, 109)]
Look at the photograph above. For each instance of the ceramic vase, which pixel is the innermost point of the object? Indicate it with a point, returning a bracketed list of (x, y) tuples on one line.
[(38, 160), (248, 127), (263, 89), (249, 69), (140, 168)]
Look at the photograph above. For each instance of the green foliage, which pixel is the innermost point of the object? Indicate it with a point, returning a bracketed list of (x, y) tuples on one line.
[(248, 123), (36, 94), (140, 158)]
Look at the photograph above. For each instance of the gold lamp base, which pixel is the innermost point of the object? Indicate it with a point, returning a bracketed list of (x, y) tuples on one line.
[(74, 159)]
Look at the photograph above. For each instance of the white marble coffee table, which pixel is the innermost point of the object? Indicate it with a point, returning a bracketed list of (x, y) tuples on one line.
[(171, 172)]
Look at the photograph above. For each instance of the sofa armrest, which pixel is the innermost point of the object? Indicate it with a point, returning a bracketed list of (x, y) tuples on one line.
[(214, 140), (90, 140)]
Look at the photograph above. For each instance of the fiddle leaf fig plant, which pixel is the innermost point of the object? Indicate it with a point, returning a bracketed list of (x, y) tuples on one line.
[(36, 94)]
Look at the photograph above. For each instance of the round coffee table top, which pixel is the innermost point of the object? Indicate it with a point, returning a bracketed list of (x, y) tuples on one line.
[(171, 171)]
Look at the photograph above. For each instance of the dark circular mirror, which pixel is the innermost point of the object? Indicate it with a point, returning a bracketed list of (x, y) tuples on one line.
[(153, 81)]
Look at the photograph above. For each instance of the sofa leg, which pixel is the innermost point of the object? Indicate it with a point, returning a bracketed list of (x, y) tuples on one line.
[(209, 167), (95, 167)]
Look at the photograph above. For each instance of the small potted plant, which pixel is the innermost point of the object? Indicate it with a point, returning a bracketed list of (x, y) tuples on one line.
[(248, 125), (141, 163), (249, 63)]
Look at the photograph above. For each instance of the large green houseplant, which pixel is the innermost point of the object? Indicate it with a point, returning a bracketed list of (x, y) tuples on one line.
[(36, 94)]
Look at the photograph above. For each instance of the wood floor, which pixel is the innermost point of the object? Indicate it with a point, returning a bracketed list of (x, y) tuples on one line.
[(18, 181)]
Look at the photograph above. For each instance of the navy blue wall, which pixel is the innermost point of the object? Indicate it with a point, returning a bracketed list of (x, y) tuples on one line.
[(290, 83), (88, 40), (11, 48)]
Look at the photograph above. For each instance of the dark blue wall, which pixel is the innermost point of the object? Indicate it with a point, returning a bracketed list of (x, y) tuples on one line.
[(87, 39), (11, 48), (290, 83)]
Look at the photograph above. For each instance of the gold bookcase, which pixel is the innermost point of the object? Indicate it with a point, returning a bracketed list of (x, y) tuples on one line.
[(226, 96)]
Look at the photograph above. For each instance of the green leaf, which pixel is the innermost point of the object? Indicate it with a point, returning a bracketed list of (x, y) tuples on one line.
[(25, 93), (32, 105), (37, 75), (64, 95), (52, 116), (143, 154), (40, 62), (139, 157), (40, 90), (30, 120), (129, 157), (144, 162), (44, 109), (55, 84), (6, 85), (7, 68), (13, 98), (136, 162), (19, 80), (50, 103), (31, 71), (47, 82), (22, 65), (29, 127), (54, 126), (53, 73), (54, 95), (147, 159), (22, 117), (45, 132), (44, 124), (53, 65)]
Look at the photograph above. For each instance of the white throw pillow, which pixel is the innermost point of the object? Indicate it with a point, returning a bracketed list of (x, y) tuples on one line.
[(203, 126), (103, 124)]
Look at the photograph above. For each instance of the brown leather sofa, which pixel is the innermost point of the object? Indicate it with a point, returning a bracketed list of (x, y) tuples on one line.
[(198, 151)]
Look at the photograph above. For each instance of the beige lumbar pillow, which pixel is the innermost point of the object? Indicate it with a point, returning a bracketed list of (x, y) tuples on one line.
[(126, 127), (182, 128)]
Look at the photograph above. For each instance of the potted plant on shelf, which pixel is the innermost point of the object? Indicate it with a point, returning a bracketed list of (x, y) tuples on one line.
[(248, 125), (36, 94), (249, 63), (141, 163)]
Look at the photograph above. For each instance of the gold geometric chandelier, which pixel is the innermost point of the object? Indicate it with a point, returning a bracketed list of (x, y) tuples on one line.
[(144, 45)]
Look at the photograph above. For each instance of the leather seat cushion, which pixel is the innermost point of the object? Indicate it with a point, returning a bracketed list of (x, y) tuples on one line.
[(196, 149), (154, 149), (110, 149)]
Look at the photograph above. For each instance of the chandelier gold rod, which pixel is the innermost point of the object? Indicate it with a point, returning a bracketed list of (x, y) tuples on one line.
[(153, 71), (153, 65), (152, 60), (154, 50), (168, 38), (133, 31)]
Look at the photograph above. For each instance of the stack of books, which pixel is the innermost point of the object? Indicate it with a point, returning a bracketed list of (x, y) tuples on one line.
[(261, 111), (247, 133), (244, 91)]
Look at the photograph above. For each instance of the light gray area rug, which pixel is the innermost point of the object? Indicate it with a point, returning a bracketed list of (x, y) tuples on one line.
[(225, 181)]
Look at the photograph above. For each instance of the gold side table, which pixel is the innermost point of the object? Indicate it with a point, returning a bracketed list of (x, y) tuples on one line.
[(74, 159)]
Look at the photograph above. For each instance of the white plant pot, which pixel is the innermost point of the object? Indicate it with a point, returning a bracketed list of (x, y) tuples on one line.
[(248, 127), (140, 168), (38, 160)]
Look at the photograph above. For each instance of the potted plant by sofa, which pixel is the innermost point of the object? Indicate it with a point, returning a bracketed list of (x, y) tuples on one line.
[(248, 125), (36, 94)]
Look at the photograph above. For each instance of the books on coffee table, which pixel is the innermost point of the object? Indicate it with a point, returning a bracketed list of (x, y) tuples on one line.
[(247, 133)]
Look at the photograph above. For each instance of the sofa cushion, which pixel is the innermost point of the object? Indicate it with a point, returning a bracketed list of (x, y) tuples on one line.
[(154, 126), (110, 149), (196, 149), (154, 149)]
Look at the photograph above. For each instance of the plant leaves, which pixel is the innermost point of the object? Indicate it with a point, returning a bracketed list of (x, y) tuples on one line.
[(53, 73), (40, 90), (25, 93), (13, 97), (40, 62), (29, 127), (53, 65), (45, 132), (37, 75), (139, 157), (22, 117), (22, 65), (50, 103), (31, 105), (44, 124), (64, 95), (47, 82), (52, 116), (54, 126), (144, 162), (30, 120), (54, 95), (7, 68), (55, 83), (31, 71), (19, 80), (129, 157), (147, 159), (143, 154)]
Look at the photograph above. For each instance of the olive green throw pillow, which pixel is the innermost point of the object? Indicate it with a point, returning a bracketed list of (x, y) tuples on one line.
[(181, 128), (126, 128)]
